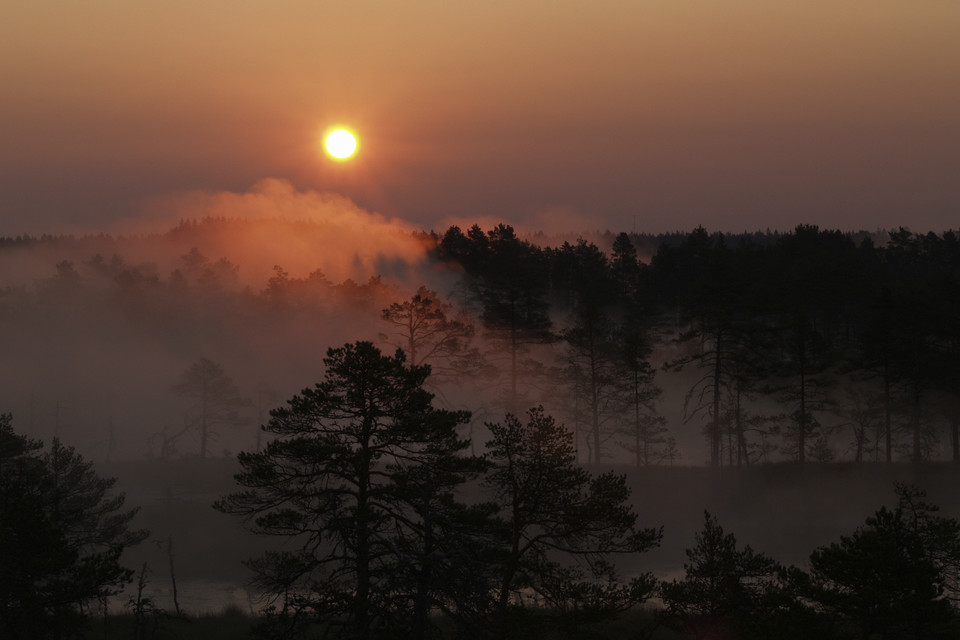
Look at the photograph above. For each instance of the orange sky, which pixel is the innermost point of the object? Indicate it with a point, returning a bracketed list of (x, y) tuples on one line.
[(645, 114)]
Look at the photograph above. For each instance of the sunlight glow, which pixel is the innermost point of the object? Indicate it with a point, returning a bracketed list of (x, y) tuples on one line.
[(341, 144)]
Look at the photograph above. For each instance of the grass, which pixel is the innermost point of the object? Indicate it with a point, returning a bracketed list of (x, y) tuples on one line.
[(234, 624), (230, 624)]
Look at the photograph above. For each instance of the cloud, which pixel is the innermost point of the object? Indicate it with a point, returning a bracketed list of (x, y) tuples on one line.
[(272, 198), (299, 230)]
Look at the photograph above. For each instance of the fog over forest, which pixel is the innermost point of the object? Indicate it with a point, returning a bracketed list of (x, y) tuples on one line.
[(106, 325), (100, 328), (101, 333)]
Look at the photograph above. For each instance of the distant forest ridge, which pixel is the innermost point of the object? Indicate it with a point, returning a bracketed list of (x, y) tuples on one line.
[(810, 345), (646, 243)]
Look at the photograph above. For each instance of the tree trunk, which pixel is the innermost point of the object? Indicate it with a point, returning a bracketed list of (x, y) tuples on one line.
[(594, 402), (859, 433), (743, 455), (361, 603), (916, 426), (514, 346), (173, 575), (203, 418), (637, 427), (715, 427), (503, 600), (887, 413), (421, 605), (802, 426), (955, 437)]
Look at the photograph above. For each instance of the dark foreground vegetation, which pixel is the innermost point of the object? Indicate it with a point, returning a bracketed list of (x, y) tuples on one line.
[(234, 624), (227, 625), (359, 485)]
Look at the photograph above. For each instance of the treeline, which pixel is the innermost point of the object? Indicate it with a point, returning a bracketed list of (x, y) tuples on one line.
[(810, 345), (803, 344)]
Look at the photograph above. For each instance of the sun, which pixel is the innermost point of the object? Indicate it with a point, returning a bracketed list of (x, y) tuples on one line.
[(341, 144)]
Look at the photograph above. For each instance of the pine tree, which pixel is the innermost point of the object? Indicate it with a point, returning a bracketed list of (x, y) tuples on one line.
[(724, 590), (215, 401), (361, 473), (553, 510), (62, 531)]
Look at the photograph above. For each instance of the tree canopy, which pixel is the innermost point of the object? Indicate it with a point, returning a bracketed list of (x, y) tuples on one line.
[(553, 511), (62, 531), (359, 474)]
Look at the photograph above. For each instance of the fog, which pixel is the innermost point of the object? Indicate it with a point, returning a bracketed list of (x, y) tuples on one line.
[(97, 329), (100, 327), (782, 511)]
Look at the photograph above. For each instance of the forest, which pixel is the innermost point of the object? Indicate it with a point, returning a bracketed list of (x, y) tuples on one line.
[(728, 350), (442, 435)]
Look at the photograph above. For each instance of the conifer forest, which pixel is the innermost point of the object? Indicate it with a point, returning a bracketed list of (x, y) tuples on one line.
[(479, 433)]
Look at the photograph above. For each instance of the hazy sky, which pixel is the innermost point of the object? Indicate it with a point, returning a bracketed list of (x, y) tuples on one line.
[(649, 114)]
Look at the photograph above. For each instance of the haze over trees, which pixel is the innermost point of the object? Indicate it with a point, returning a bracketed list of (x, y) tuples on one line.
[(757, 340), (430, 331), (214, 402), (772, 327), (363, 474), (807, 347), (367, 479)]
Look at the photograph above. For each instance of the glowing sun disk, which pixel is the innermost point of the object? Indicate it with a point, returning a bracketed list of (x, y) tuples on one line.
[(341, 144)]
